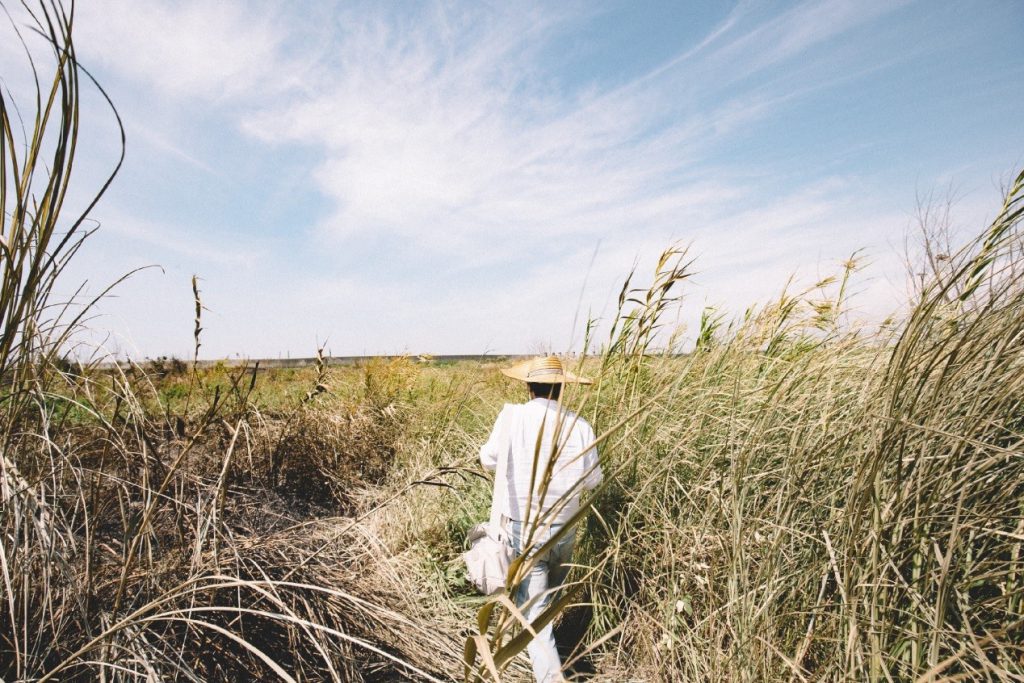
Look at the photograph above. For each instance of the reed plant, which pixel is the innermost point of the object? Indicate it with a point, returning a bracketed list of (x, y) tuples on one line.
[(145, 537), (803, 498)]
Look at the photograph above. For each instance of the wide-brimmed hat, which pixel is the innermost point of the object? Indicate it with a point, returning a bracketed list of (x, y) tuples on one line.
[(546, 370)]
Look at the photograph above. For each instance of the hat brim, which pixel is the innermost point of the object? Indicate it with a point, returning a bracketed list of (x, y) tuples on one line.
[(520, 371)]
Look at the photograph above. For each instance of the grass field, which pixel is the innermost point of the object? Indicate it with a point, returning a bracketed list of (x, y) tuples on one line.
[(792, 500), (796, 498)]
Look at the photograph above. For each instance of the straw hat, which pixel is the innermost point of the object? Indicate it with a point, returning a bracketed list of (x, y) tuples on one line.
[(547, 370)]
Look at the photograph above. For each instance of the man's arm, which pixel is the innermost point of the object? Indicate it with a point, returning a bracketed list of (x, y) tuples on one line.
[(496, 443)]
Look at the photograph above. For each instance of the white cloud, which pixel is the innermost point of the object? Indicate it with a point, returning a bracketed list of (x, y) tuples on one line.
[(794, 32), (476, 146), (167, 238), (188, 49), (446, 134)]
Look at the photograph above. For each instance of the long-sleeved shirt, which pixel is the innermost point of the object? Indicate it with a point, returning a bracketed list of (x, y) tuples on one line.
[(574, 469)]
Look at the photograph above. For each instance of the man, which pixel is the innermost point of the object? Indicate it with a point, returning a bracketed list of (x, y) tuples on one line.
[(551, 459)]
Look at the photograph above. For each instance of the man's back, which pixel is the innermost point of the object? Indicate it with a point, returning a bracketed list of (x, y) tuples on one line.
[(560, 472)]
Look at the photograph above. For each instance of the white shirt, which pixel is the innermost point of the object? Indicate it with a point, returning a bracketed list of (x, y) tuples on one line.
[(575, 464)]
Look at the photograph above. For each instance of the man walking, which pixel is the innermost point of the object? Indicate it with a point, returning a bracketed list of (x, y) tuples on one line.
[(551, 459)]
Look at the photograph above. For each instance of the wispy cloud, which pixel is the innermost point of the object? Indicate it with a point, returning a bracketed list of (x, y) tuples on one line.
[(183, 242), (192, 49), (794, 32), (447, 132)]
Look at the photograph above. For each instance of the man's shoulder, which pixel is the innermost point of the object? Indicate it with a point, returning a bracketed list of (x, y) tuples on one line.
[(582, 423), (571, 417), (508, 410)]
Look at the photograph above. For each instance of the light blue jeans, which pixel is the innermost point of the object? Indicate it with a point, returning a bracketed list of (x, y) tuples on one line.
[(537, 590)]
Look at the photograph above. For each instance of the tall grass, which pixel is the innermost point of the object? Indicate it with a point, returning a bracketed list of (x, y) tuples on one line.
[(807, 499), (36, 242), (139, 539), (813, 501)]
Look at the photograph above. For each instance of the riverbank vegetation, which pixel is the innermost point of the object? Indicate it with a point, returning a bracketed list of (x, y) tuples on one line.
[(794, 498)]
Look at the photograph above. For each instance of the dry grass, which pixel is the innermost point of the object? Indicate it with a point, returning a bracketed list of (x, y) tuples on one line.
[(160, 522), (141, 548), (812, 502)]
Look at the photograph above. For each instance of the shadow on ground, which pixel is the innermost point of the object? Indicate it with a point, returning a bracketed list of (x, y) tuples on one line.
[(570, 632)]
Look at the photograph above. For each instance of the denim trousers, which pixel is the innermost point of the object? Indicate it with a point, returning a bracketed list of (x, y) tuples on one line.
[(537, 590)]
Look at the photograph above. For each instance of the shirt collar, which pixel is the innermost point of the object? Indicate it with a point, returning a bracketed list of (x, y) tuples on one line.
[(545, 401)]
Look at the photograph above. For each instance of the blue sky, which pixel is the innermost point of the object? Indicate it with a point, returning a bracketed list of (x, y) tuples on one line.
[(475, 177)]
